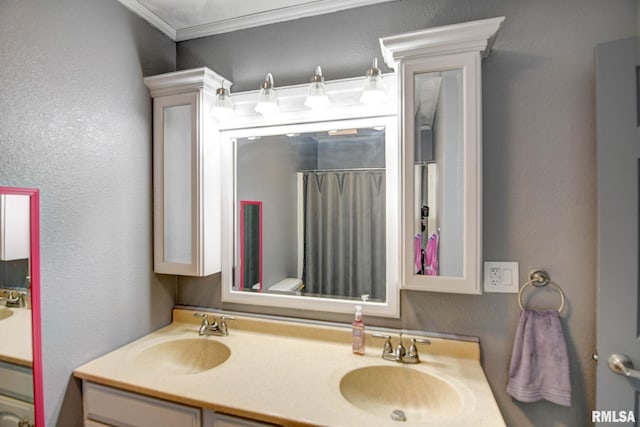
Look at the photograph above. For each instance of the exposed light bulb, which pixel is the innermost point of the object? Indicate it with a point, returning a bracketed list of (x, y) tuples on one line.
[(267, 100), (223, 106), (373, 92), (317, 98)]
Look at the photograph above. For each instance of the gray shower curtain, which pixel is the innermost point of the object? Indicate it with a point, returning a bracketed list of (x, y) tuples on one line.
[(344, 233)]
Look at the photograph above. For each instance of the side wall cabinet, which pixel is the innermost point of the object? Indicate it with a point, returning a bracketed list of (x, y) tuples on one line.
[(441, 132), (186, 173)]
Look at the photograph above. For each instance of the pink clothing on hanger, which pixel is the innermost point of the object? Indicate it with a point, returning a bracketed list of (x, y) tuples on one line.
[(431, 256)]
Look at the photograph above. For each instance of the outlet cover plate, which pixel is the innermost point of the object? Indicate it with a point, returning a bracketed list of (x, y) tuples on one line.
[(501, 277)]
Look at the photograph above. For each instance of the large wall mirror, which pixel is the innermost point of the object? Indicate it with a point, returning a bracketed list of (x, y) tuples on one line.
[(314, 215), (20, 346)]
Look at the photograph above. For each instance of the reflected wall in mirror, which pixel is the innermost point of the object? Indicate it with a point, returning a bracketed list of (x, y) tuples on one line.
[(251, 245), (20, 351), (438, 173), (329, 221), (324, 211)]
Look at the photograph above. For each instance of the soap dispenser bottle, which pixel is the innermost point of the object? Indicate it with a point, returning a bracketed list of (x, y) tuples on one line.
[(357, 332)]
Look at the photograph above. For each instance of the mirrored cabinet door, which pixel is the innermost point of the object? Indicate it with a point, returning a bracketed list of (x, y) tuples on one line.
[(442, 174)]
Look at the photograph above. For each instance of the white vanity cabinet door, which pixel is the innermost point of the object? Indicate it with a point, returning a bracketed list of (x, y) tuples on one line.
[(14, 227), (16, 382), (186, 171), (13, 411), (109, 406)]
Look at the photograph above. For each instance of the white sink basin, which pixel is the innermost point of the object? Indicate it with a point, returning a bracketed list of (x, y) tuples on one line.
[(5, 312), (381, 390), (183, 357)]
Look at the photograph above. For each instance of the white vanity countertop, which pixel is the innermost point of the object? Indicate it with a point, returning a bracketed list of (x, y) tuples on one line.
[(289, 374), (15, 330)]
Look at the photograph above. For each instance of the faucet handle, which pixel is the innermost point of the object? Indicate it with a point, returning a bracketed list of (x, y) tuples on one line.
[(387, 351), (412, 355), (223, 324), (205, 317)]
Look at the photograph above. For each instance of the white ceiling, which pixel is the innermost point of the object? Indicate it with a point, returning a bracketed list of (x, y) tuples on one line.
[(188, 19)]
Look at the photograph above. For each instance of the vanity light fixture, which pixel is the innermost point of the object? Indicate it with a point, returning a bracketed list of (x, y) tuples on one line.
[(373, 91), (267, 101), (223, 105), (317, 98)]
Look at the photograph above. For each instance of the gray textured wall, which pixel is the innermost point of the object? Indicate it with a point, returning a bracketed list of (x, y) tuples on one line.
[(539, 156), (75, 122)]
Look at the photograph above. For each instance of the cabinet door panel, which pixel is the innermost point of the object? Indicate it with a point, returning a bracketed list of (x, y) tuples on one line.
[(119, 408), (177, 181), (14, 411), (16, 381)]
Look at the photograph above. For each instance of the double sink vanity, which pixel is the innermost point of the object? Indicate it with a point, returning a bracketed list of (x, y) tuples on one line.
[(266, 201), (277, 372)]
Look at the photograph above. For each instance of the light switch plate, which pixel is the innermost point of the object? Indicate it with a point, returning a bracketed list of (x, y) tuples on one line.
[(501, 277)]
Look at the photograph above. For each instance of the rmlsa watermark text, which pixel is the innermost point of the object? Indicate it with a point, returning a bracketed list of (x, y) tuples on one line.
[(613, 417)]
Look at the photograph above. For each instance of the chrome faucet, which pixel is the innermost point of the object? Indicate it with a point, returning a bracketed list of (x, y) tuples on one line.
[(14, 298), (400, 354), (215, 327)]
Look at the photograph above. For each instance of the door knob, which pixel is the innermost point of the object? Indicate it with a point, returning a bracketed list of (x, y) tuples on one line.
[(621, 364)]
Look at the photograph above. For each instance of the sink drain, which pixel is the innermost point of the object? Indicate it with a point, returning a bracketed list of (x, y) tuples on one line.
[(398, 415)]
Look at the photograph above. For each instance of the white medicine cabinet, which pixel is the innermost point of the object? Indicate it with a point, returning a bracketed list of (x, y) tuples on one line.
[(186, 170), (14, 227), (439, 71)]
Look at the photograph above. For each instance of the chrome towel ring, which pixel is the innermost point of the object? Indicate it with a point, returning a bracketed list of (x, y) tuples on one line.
[(538, 279)]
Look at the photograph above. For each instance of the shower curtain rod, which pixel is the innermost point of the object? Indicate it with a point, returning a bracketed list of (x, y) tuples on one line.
[(342, 170)]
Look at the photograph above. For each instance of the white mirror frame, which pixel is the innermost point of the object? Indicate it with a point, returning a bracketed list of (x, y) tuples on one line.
[(458, 46), (345, 112)]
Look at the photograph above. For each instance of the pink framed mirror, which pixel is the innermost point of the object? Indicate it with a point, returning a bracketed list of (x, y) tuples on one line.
[(21, 398), (251, 245)]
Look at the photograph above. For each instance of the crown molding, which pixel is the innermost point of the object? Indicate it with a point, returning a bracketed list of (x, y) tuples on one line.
[(185, 81), (474, 36), (150, 17), (272, 17), (317, 7)]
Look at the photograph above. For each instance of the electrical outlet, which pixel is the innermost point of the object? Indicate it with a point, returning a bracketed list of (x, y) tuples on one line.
[(494, 277), (501, 277)]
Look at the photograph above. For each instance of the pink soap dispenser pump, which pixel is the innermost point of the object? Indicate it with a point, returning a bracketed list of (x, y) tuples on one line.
[(357, 332)]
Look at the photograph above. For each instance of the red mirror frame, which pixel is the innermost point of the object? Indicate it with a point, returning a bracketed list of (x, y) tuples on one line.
[(244, 203), (34, 262)]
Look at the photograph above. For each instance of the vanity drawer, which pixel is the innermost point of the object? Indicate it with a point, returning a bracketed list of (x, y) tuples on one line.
[(16, 381), (120, 408)]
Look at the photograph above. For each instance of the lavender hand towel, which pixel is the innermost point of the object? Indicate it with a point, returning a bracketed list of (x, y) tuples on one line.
[(539, 362)]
